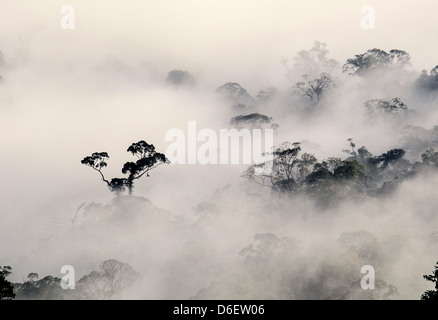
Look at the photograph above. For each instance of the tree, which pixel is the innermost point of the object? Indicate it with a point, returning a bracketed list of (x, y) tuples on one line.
[(315, 88), (180, 78), (148, 159), (377, 108), (33, 276), (289, 170), (73, 220), (254, 120), (112, 278), (266, 96), (327, 181), (416, 139), (375, 59), (47, 288), (266, 245), (431, 294), (383, 172), (428, 83), (430, 158), (315, 68), (313, 62), (236, 94), (389, 157), (97, 161), (92, 285), (335, 179), (360, 175), (6, 287), (118, 185)]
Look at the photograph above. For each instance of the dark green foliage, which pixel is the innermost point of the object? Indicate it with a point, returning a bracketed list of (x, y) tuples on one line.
[(334, 179), (385, 170), (6, 287), (349, 170), (390, 157)]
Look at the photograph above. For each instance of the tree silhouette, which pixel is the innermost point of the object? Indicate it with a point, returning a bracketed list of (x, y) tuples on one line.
[(333, 179), (112, 278), (375, 59), (431, 294), (316, 69), (6, 287), (180, 78), (288, 169), (378, 108), (148, 159), (311, 62), (314, 88), (97, 161), (236, 94), (47, 288), (427, 83), (253, 121)]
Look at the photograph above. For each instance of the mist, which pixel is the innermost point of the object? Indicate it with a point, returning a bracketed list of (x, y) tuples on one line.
[(197, 231)]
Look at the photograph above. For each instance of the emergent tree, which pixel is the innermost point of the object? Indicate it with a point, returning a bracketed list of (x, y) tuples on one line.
[(147, 159)]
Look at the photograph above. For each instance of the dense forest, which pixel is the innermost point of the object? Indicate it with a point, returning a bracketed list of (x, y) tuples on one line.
[(302, 230)]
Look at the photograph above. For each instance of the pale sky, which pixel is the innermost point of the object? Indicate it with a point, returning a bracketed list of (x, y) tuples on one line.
[(199, 33)]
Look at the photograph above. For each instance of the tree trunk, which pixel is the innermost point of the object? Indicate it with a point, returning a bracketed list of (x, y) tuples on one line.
[(130, 186)]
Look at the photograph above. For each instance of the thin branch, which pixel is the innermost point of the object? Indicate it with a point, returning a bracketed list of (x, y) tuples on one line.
[(103, 178), (73, 220)]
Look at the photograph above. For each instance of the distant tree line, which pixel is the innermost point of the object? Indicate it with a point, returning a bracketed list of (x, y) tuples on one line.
[(361, 174), (111, 279)]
